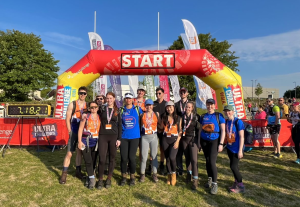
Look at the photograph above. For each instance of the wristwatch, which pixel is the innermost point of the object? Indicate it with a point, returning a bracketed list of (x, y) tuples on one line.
[(221, 144)]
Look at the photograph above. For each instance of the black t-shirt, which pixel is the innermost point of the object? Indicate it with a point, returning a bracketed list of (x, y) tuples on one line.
[(115, 121), (192, 129), (159, 107), (178, 108)]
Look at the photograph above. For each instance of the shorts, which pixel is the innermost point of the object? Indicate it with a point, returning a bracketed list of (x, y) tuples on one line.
[(160, 138), (275, 129), (72, 143)]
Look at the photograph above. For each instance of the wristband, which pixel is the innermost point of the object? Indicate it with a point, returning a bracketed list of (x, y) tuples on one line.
[(221, 144)]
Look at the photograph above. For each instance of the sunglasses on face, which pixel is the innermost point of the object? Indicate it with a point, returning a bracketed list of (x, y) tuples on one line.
[(82, 93), (99, 99), (280, 100), (93, 107), (158, 93), (268, 101), (182, 92)]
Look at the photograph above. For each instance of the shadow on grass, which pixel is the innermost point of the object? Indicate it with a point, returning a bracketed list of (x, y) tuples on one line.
[(150, 201)]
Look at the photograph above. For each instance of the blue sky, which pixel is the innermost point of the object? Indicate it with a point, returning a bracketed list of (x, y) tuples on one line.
[(265, 34)]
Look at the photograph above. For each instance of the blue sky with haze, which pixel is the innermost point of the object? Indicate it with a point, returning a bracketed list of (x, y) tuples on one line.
[(265, 33)]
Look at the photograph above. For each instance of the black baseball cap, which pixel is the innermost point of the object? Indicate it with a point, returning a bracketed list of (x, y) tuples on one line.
[(210, 100)]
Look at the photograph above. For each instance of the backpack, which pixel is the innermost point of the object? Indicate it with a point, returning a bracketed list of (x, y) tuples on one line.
[(271, 113), (248, 132), (136, 108)]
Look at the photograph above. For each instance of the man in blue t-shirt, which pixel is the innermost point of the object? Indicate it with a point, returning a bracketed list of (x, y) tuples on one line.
[(130, 137)]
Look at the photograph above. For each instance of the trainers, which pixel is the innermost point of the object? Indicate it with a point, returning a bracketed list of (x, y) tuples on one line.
[(277, 156), (194, 184), (63, 178), (100, 184), (154, 176), (214, 188), (239, 188), (108, 183), (209, 182), (233, 186), (142, 178), (123, 181), (273, 153), (86, 183), (92, 182), (297, 161), (132, 182)]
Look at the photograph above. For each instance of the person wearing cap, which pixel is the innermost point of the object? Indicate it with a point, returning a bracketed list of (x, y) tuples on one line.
[(212, 139), (159, 106), (294, 119), (172, 132), (148, 123), (180, 110), (139, 100), (274, 125), (235, 147), (130, 137)]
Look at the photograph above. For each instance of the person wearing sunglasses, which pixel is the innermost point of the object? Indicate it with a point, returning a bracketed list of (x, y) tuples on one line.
[(159, 106), (139, 100), (180, 110), (274, 125), (294, 119), (109, 138), (130, 138), (284, 108), (87, 140), (100, 99), (73, 117)]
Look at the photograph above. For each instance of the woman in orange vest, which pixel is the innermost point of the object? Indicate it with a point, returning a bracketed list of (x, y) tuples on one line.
[(148, 123), (171, 124), (87, 140)]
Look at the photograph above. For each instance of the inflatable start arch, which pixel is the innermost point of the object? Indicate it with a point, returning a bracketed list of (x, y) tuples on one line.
[(226, 83)]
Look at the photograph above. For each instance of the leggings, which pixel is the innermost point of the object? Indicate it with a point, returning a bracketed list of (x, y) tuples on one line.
[(179, 156), (147, 140), (89, 156), (128, 150), (234, 165), (210, 150), (170, 153), (190, 151), (296, 139), (107, 143)]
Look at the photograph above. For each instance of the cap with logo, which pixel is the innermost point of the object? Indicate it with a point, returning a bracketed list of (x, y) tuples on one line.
[(210, 100), (141, 87), (128, 95), (149, 102), (228, 108), (169, 103), (183, 89)]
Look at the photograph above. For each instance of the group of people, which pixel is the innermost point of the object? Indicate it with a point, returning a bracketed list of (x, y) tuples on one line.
[(98, 130)]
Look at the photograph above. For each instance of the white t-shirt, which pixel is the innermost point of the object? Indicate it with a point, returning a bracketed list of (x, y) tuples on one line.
[(295, 117)]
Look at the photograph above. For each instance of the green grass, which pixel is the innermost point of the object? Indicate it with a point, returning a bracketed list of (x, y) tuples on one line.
[(31, 180)]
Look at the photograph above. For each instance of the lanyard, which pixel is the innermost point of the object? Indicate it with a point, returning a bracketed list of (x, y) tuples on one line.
[(187, 126), (170, 124), (95, 123), (229, 132), (81, 108), (149, 121), (181, 108), (109, 116)]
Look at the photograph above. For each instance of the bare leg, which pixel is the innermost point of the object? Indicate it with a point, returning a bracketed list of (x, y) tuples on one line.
[(67, 159)]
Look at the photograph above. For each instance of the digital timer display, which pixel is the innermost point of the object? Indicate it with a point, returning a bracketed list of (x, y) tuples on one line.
[(28, 110)]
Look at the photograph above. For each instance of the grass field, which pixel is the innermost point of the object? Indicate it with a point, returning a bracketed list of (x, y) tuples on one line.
[(31, 180)]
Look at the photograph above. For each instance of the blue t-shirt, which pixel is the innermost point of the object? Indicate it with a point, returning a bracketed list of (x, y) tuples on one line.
[(130, 123), (234, 147), (211, 119)]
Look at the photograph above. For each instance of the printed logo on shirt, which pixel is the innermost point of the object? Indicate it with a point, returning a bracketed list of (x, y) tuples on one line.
[(130, 122)]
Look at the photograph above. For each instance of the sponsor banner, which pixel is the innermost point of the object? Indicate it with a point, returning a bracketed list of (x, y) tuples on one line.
[(133, 81), (115, 82), (164, 83), (185, 42), (229, 99), (149, 81), (45, 132), (59, 107), (148, 60), (238, 101), (203, 93), (107, 47), (175, 87), (191, 34), (67, 98), (213, 92), (96, 41), (101, 85)]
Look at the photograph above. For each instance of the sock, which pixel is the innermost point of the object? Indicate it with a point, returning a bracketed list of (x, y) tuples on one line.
[(214, 182), (173, 172), (109, 177), (78, 168), (190, 172), (65, 169), (195, 177), (93, 176)]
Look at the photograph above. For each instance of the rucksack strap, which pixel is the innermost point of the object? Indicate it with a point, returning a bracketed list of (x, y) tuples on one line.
[(74, 107)]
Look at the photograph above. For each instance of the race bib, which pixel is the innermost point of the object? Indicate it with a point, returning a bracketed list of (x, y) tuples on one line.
[(148, 132), (231, 139), (169, 134), (108, 126)]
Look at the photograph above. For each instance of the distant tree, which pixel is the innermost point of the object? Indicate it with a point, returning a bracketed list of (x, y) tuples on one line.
[(24, 65), (220, 50), (89, 96), (291, 93), (258, 91)]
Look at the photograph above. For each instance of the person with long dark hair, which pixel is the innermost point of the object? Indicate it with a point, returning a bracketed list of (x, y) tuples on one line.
[(109, 138), (87, 140), (171, 124)]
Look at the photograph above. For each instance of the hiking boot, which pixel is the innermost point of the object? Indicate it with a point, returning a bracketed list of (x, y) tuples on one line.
[(162, 170), (208, 184), (142, 178), (173, 179), (188, 178), (277, 156), (108, 183), (124, 179), (100, 184), (239, 188), (92, 182), (132, 180), (154, 176), (297, 161), (149, 170), (214, 188), (169, 179), (79, 174), (86, 183), (194, 184), (234, 185), (63, 177)]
